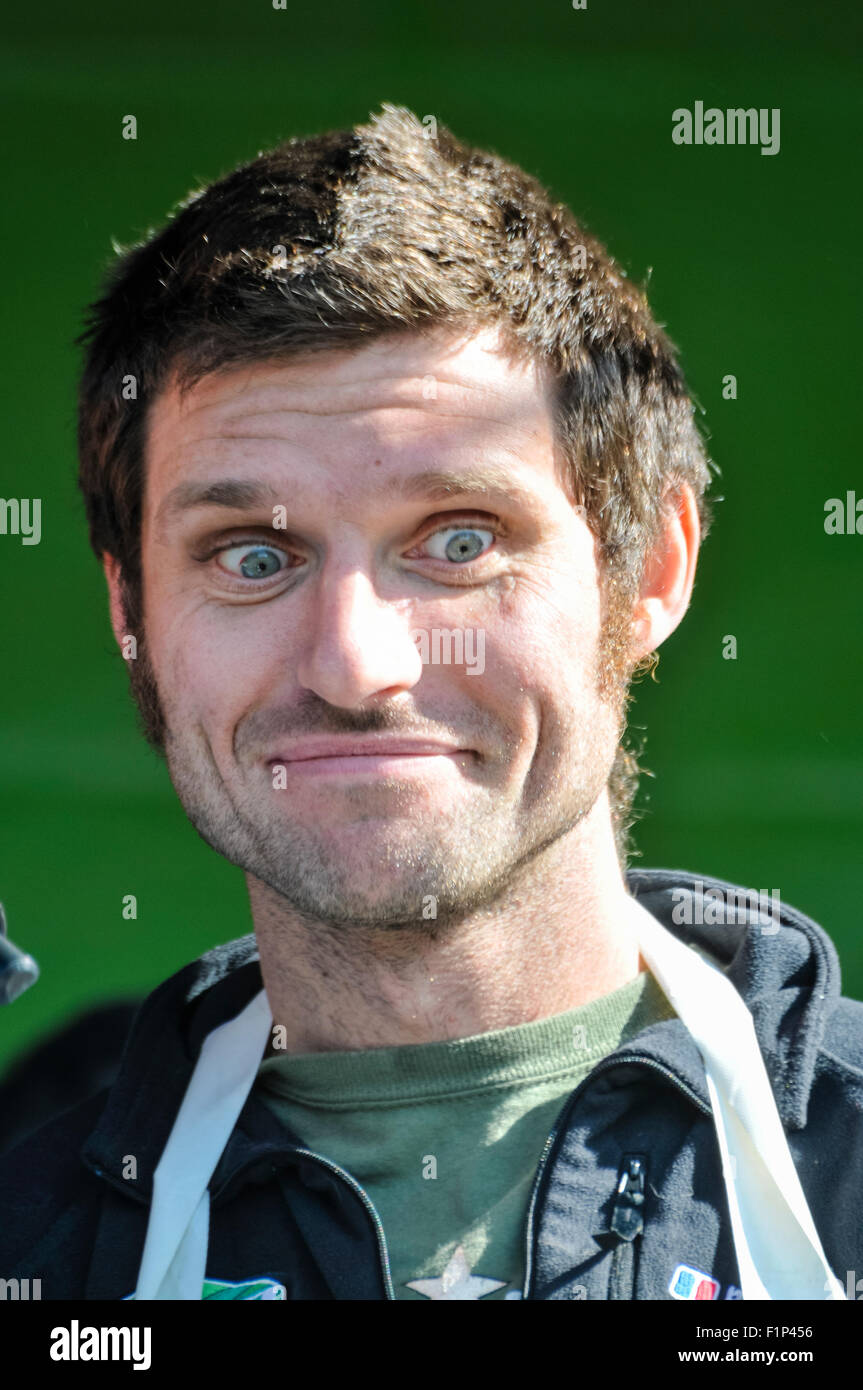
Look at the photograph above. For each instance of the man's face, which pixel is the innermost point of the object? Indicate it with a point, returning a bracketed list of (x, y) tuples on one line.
[(263, 638)]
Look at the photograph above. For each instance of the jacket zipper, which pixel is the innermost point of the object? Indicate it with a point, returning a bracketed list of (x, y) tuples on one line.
[(627, 1222), (558, 1124), (370, 1208)]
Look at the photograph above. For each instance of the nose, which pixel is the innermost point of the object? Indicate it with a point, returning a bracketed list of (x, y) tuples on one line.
[(359, 646)]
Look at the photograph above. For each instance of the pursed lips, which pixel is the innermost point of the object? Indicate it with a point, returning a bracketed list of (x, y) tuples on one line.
[(361, 754)]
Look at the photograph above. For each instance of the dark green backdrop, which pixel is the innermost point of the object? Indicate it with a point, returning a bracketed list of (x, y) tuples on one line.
[(753, 266)]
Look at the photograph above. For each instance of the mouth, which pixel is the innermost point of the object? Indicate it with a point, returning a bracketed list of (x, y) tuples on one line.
[(369, 758), (372, 765)]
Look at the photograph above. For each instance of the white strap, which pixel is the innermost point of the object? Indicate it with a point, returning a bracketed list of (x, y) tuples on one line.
[(779, 1252), (175, 1249)]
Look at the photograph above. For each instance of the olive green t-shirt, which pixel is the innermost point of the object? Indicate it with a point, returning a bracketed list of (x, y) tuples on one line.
[(445, 1137)]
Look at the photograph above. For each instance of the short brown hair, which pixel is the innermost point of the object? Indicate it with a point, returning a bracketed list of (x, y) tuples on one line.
[(394, 226)]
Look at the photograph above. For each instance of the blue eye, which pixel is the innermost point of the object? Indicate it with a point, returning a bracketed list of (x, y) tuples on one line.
[(462, 545), (258, 562)]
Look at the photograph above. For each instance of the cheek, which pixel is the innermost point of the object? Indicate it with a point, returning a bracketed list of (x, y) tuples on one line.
[(211, 668), (552, 619), (540, 681)]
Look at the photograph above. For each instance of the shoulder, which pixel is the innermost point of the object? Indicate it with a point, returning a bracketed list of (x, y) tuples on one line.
[(842, 1043), (835, 1105), (44, 1181)]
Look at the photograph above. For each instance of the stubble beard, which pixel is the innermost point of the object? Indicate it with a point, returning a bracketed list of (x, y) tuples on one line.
[(431, 879)]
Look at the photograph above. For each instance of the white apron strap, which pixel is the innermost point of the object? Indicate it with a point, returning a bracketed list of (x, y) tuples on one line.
[(175, 1249), (779, 1253)]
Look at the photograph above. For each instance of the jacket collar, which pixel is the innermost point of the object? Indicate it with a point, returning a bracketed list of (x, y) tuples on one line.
[(786, 978), (786, 971), (159, 1057)]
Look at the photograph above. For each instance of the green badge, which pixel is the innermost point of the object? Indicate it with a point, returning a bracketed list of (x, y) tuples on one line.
[(260, 1289)]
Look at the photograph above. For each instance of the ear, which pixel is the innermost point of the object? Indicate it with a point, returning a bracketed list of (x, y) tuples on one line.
[(669, 574), (113, 576)]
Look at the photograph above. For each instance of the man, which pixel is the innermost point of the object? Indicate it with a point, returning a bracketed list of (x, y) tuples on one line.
[(396, 485)]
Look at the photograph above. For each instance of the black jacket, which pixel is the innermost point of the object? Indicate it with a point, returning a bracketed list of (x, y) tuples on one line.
[(629, 1186)]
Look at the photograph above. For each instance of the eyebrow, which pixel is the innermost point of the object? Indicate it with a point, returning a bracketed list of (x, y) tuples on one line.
[(236, 493), (432, 485)]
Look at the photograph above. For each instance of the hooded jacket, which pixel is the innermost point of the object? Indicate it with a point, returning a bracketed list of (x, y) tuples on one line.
[(656, 1181)]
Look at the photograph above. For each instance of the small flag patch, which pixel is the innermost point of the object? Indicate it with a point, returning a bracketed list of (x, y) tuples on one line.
[(692, 1284)]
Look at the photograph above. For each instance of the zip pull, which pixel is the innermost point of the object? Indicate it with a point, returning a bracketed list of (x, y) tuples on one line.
[(627, 1217)]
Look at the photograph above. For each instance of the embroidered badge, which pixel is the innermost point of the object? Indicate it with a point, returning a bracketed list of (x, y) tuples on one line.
[(692, 1284), (248, 1289)]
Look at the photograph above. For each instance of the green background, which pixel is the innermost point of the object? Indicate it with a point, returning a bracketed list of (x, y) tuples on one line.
[(752, 266)]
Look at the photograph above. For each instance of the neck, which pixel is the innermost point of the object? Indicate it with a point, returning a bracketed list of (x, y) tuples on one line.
[(559, 937)]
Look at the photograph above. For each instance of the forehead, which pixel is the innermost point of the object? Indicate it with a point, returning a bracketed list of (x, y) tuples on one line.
[(402, 402)]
